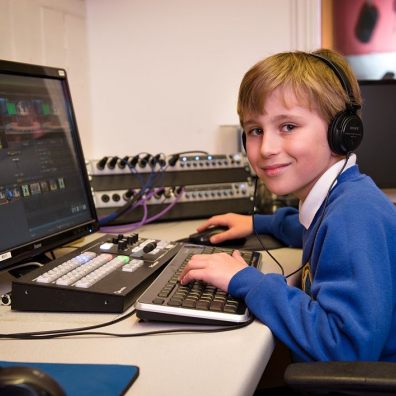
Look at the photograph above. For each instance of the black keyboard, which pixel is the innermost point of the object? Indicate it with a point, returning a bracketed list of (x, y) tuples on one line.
[(106, 275), (198, 302)]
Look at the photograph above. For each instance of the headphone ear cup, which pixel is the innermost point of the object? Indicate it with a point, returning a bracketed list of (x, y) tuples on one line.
[(244, 140), (345, 132)]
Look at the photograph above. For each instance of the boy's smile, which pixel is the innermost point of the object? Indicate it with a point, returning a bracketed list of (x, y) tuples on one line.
[(287, 144), (275, 169)]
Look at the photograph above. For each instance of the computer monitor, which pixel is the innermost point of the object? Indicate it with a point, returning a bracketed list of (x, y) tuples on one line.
[(45, 198), (376, 155)]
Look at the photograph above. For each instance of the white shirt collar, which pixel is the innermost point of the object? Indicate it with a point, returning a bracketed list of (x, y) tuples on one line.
[(317, 195)]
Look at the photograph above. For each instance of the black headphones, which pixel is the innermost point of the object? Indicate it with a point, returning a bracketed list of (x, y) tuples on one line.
[(345, 131)]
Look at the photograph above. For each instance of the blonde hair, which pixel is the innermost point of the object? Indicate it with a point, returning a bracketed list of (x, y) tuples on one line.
[(313, 82)]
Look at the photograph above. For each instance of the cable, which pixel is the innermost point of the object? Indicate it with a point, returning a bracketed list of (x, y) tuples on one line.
[(255, 232), (127, 227), (31, 335), (81, 331), (321, 216), (145, 220), (174, 157), (120, 211), (112, 216), (269, 253), (146, 185), (317, 227), (143, 159), (142, 202), (167, 209)]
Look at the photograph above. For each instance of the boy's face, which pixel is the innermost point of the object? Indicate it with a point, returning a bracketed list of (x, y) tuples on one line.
[(287, 144)]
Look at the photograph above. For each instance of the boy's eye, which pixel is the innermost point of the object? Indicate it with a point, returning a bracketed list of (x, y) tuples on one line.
[(288, 127), (255, 131)]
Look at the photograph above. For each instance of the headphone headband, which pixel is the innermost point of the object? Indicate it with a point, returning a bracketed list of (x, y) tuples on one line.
[(342, 79)]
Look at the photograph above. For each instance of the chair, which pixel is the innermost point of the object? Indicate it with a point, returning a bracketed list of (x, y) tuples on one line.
[(342, 378)]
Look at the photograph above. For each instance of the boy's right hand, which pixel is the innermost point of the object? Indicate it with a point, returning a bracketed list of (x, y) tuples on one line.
[(239, 226)]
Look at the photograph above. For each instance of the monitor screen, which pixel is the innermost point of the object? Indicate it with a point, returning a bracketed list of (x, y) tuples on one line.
[(376, 154), (45, 198)]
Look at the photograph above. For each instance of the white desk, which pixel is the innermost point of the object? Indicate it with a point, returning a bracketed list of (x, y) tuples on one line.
[(229, 363)]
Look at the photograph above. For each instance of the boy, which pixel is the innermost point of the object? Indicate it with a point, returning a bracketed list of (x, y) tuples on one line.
[(288, 106)]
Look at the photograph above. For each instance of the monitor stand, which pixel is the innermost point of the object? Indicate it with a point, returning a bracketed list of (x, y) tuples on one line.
[(12, 273)]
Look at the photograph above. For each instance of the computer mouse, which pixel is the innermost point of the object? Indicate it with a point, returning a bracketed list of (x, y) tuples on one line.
[(203, 237), (27, 381)]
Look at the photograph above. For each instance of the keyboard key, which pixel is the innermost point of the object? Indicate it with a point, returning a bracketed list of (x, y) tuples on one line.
[(217, 305), (189, 303), (203, 304)]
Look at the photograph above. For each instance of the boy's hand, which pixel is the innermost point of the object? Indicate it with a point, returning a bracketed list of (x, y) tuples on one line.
[(216, 269), (239, 226)]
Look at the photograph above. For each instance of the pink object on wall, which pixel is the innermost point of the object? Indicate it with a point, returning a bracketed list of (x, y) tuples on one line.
[(364, 27)]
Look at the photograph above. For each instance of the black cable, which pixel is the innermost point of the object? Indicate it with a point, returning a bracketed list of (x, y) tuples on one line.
[(321, 216), (120, 211), (156, 177), (255, 232), (174, 157), (269, 253), (46, 335), (191, 152), (135, 198), (37, 334), (148, 184), (317, 227)]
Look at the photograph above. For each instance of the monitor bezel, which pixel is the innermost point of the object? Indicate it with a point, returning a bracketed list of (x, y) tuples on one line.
[(379, 83), (9, 258)]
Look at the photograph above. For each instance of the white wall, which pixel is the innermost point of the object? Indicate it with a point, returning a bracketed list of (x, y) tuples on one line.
[(164, 74), (52, 33), (155, 75)]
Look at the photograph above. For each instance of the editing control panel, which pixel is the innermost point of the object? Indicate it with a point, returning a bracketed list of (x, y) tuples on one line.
[(106, 275)]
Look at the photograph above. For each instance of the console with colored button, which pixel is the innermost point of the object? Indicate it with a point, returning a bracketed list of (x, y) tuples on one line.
[(106, 275)]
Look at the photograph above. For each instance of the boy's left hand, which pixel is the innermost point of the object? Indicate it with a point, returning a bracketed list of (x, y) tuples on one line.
[(216, 269)]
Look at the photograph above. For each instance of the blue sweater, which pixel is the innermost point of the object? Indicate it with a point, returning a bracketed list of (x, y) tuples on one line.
[(350, 313)]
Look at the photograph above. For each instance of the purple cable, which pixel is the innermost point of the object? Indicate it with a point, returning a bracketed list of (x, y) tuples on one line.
[(134, 225), (167, 209), (127, 227), (145, 220)]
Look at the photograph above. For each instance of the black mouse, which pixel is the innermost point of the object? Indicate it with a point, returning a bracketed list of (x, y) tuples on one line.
[(203, 237), (28, 381)]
